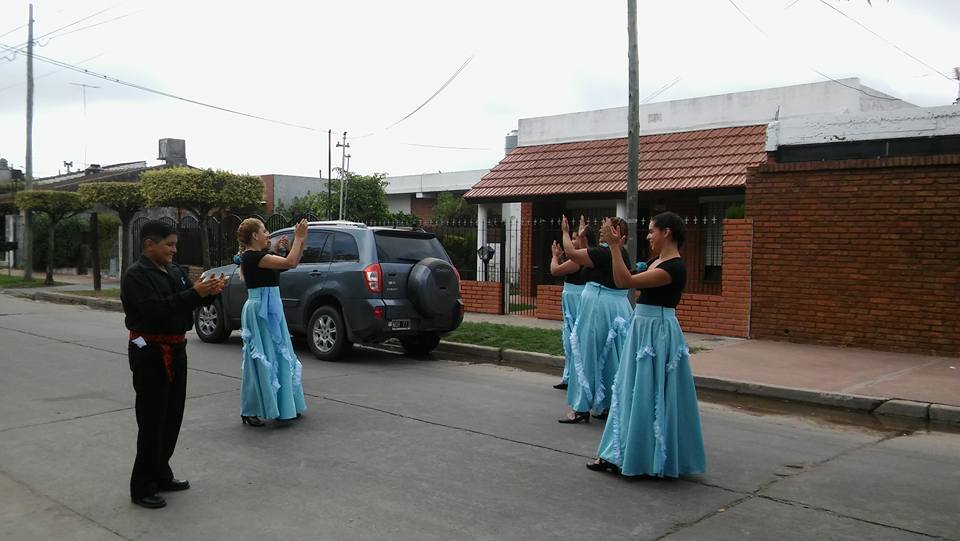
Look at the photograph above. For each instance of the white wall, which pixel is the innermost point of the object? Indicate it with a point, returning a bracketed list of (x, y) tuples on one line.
[(399, 202), (736, 109), (286, 187), (915, 122), (454, 181)]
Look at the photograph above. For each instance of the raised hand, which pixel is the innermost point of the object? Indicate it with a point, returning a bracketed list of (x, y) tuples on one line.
[(300, 231), (557, 250), (565, 226), (283, 244), (583, 226)]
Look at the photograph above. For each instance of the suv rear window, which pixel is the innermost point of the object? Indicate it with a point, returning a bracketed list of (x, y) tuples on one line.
[(407, 246)]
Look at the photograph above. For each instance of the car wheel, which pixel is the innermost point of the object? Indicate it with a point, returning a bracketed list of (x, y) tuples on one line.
[(421, 344), (210, 323), (326, 334)]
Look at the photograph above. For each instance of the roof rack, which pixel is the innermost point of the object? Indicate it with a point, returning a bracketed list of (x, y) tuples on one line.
[(344, 223)]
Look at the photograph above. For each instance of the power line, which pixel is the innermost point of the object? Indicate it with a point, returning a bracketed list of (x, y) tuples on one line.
[(815, 70), (91, 26), (12, 30), (159, 92), (443, 147), (439, 90), (885, 40), (54, 72)]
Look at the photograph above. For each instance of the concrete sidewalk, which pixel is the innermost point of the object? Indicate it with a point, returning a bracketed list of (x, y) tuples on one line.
[(900, 383)]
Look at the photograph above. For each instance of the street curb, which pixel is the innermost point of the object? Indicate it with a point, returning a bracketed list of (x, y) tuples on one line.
[(875, 405), (887, 406), (65, 298)]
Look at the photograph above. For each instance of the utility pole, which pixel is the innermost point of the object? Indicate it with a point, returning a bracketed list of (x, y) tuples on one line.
[(83, 93), (633, 134), (343, 170), (346, 186), (329, 174), (956, 74), (27, 248)]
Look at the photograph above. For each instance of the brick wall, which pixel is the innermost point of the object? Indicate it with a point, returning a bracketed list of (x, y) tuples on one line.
[(422, 207), (482, 297), (526, 249), (548, 302), (268, 192), (727, 314), (861, 253)]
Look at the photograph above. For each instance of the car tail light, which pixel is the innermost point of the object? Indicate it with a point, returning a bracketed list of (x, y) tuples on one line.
[(457, 272), (378, 312), (373, 277)]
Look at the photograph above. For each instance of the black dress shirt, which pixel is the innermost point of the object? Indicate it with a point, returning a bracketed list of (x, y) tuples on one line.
[(157, 302)]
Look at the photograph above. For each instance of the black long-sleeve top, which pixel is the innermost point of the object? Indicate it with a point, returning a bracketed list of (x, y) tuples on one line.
[(157, 302)]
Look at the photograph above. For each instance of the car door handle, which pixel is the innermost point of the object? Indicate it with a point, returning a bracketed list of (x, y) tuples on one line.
[(316, 273)]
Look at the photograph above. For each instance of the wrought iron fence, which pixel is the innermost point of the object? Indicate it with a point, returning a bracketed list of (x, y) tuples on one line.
[(516, 252)]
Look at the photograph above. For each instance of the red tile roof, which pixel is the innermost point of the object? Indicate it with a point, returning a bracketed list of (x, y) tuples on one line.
[(715, 158)]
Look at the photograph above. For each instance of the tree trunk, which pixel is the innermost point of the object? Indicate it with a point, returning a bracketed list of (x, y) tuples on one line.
[(204, 241), (95, 249), (50, 236)]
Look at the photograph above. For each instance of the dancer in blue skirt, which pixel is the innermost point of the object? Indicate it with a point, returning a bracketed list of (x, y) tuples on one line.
[(654, 423), (596, 338), (573, 281), (272, 374)]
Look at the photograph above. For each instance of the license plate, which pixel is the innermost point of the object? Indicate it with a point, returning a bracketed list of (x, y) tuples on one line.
[(399, 324)]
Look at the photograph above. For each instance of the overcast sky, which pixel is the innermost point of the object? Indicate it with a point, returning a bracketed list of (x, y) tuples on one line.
[(361, 66)]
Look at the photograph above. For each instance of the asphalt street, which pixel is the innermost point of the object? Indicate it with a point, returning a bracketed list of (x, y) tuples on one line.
[(399, 448)]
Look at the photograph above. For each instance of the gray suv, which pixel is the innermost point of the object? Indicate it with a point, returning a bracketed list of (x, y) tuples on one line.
[(355, 284)]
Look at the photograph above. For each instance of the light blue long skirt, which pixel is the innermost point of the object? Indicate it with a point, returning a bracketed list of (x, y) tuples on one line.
[(272, 374), (595, 344), (654, 423), (570, 305)]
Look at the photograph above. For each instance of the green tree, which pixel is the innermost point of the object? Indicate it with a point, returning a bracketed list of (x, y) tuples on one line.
[(58, 206), (453, 208), (366, 200), (125, 198), (201, 192)]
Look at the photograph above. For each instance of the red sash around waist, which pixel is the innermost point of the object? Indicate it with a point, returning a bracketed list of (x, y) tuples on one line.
[(164, 341)]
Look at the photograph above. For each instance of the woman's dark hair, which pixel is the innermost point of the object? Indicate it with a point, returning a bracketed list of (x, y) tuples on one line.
[(673, 222), (620, 225), (591, 237), (156, 231)]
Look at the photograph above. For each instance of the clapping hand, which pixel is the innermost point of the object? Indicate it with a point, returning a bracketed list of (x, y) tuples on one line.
[(557, 250), (300, 231), (611, 236), (583, 227), (210, 285), (283, 244), (565, 226)]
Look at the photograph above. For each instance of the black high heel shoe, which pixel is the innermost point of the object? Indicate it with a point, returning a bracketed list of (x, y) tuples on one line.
[(252, 421), (561, 386), (603, 466), (578, 417)]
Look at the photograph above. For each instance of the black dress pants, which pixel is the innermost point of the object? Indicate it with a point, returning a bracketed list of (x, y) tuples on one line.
[(159, 414)]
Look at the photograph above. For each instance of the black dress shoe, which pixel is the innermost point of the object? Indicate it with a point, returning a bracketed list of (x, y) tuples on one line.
[(561, 386), (174, 485), (602, 465), (150, 502), (602, 415), (578, 417)]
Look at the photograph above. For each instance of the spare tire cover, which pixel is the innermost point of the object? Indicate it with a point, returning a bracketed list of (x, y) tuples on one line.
[(434, 287)]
